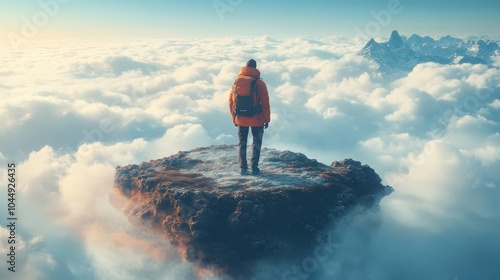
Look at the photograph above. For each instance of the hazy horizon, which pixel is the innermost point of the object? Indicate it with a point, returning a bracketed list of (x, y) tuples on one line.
[(222, 18)]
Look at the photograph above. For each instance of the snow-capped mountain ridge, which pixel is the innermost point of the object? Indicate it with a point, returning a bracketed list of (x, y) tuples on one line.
[(402, 53)]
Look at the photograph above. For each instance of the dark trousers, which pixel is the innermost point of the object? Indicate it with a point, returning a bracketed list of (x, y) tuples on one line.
[(258, 134)]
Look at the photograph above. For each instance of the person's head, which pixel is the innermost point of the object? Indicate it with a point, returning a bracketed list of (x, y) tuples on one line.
[(252, 63)]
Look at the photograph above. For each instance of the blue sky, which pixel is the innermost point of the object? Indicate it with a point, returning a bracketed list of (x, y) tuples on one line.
[(250, 18)]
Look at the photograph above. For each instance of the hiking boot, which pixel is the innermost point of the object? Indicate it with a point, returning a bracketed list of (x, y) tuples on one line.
[(243, 172), (255, 171)]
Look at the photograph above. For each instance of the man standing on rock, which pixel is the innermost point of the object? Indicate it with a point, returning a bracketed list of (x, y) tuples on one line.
[(249, 107)]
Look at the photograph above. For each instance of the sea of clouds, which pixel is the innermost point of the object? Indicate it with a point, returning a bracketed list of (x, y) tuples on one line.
[(72, 113)]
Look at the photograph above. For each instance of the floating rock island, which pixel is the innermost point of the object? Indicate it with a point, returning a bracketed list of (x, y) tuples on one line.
[(226, 222)]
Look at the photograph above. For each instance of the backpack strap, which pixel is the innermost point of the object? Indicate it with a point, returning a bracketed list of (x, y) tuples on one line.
[(234, 87), (253, 87)]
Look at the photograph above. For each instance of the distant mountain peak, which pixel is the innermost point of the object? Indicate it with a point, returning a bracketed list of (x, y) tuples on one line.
[(370, 43), (395, 41), (401, 53)]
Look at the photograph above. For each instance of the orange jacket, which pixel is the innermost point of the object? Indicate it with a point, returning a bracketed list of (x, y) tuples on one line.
[(244, 80)]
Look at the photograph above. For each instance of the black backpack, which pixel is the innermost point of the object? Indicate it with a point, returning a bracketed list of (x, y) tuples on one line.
[(244, 105)]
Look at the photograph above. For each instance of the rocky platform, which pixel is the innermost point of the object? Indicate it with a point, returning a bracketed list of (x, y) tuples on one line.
[(226, 222)]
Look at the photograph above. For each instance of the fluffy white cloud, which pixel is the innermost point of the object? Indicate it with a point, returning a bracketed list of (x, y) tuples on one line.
[(73, 113), (67, 204), (495, 104), (37, 263), (178, 138)]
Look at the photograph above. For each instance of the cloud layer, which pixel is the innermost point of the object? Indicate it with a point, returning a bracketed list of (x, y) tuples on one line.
[(73, 113)]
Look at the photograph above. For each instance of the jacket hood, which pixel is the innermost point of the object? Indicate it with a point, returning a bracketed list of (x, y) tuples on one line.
[(249, 71)]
